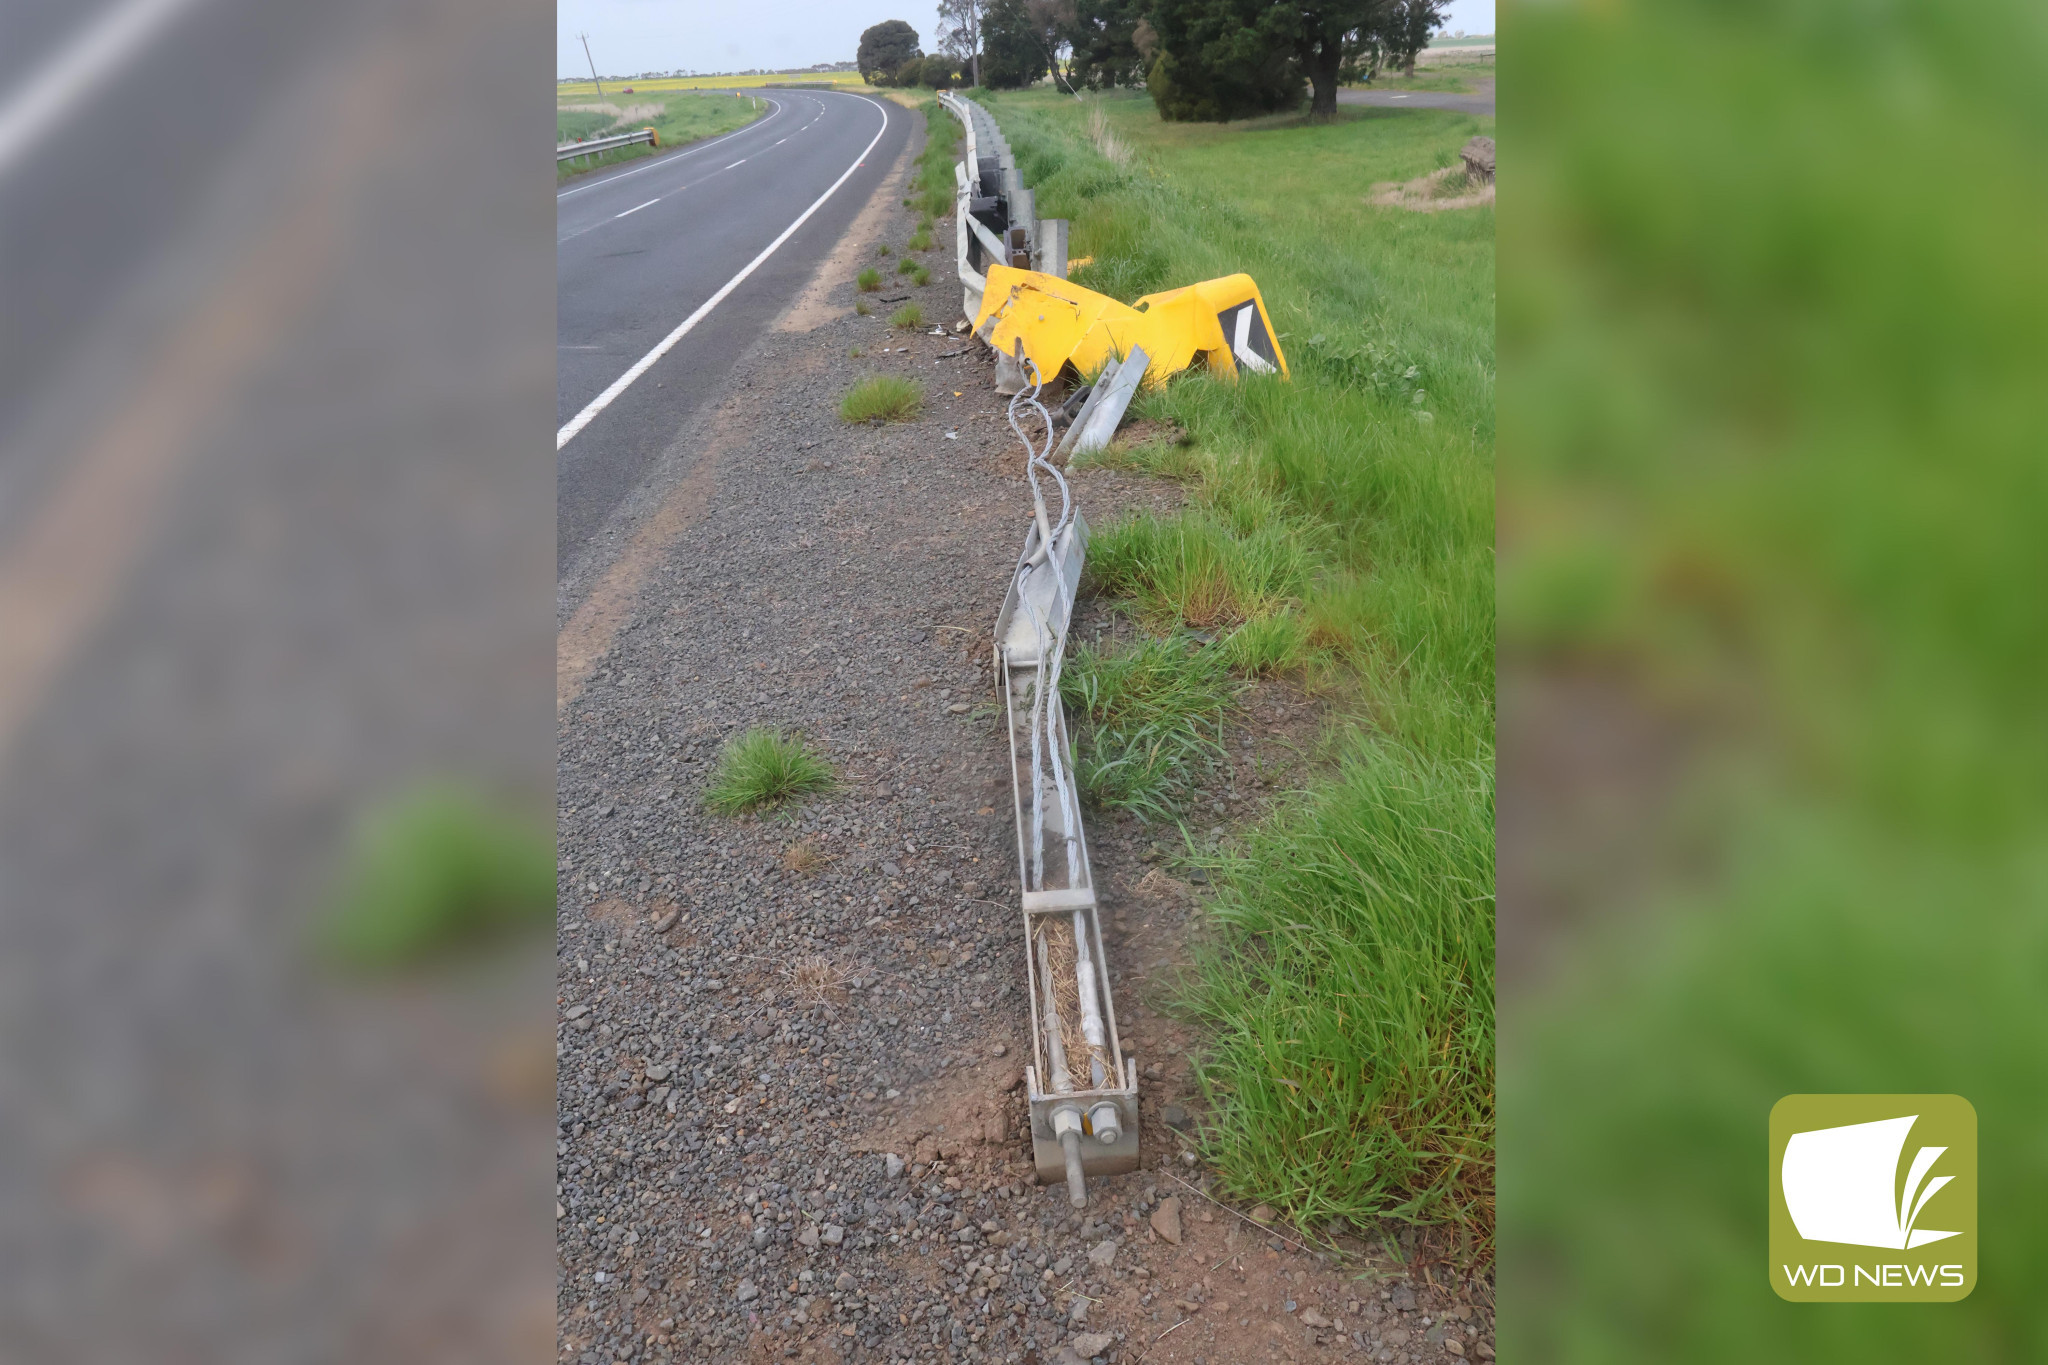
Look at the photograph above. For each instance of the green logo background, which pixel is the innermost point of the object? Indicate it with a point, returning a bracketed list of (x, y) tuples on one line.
[(1945, 1121)]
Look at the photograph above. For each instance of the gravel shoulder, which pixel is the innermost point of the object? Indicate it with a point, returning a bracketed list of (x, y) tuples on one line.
[(789, 1047)]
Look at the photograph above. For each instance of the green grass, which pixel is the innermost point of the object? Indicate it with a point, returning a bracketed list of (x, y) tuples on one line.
[(920, 277), (1348, 996), (860, 307), (685, 116), (1337, 530), (921, 240), (1774, 508), (905, 266), (435, 872), (764, 767), (891, 398), (909, 317), (869, 280), (884, 249), (1458, 80), (580, 123), (932, 183), (1150, 722)]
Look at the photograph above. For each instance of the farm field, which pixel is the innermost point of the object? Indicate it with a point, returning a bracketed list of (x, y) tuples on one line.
[(567, 90), (1337, 541)]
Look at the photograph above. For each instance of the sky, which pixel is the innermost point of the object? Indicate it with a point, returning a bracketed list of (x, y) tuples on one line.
[(631, 36)]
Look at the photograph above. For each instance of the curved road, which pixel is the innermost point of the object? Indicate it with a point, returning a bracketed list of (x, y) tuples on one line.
[(641, 249)]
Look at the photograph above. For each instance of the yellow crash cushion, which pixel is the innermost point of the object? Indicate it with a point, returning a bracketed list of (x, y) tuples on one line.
[(1224, 322)]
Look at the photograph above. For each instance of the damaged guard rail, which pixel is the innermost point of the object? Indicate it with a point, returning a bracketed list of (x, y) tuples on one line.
[(1082, 1088)]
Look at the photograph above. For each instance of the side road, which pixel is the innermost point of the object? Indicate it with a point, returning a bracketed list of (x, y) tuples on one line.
[(790, 1047)]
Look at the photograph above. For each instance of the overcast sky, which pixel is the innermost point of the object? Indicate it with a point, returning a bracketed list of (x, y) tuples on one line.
[(631, 36)]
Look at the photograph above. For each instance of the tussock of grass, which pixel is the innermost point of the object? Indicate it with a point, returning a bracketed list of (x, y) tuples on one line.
[(762, 768), (437, 871), (909, 317), (869, 280), (905, 266), (860, 308), (888, 397), (921, 240), (920, 277), (1151, 720), (884, 249)]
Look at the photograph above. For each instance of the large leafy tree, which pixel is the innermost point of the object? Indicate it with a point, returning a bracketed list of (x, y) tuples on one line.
[(1224, 59), (1104, 36), (885, 49), (1013, 52)]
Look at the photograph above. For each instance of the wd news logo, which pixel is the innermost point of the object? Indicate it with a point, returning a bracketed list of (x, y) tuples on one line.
[(1873, 1198)]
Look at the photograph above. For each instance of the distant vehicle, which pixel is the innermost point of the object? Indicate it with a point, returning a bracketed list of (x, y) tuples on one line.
[(629, 90)]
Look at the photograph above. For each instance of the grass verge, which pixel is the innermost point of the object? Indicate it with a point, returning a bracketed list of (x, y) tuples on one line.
[(884, 397), (764, 767), (1338, 530)]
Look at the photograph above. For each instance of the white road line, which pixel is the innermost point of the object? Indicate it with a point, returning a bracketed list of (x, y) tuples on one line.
[(779, 141), (646, 362), (741, 162), (660, 162), (92, 56), (637, 207)]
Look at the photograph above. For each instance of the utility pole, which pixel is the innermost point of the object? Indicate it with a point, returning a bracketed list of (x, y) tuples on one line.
[(593, 64)]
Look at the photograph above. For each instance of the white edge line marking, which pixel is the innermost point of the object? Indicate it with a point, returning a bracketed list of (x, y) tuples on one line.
[(102, 46), (741, 162), (646, 362), (660, 162), (637, 207)]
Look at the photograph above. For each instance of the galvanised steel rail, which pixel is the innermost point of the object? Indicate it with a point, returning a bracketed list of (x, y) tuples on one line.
[(1082, 1086), (604, 144)]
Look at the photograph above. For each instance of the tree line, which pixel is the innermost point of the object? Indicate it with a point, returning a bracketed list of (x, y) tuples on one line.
[(1199, 59)]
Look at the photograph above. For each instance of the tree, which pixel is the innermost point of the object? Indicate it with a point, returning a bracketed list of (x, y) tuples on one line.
[(1409, 28), (884, 49), (960, 33), (936, 72), (1012, 53), (1224, 59), (1052, 23), (1108, 41)]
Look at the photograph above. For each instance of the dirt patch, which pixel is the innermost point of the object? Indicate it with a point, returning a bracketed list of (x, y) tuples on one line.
[(1432, 193)]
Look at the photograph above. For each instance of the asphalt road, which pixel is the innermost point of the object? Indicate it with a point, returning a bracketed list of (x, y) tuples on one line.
[(1480, 101), (639, 249)]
